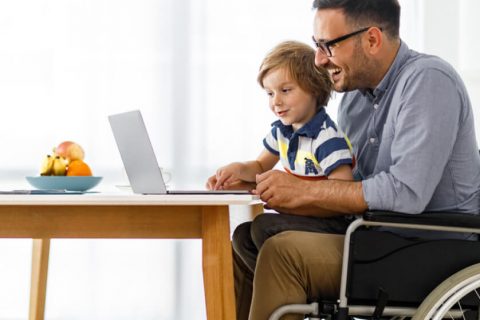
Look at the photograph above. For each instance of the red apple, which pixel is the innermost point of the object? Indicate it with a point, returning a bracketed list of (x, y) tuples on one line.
[(61, 149), (70, 151)]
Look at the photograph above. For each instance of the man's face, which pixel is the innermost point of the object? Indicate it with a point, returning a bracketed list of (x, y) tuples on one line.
[(349, 66)]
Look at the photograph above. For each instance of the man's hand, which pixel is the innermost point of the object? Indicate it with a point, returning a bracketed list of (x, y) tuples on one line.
[(281, 191), (325, 198)]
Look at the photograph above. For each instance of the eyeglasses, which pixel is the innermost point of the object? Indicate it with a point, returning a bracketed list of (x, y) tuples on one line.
[(325, 46)]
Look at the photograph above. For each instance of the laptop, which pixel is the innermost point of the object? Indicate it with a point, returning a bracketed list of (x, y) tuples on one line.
[(139, 158)]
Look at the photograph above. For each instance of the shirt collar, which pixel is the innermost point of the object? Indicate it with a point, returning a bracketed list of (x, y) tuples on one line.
[(311, 129)]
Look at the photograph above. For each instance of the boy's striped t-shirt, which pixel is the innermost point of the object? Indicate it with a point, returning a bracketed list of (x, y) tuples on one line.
[(313, 151)]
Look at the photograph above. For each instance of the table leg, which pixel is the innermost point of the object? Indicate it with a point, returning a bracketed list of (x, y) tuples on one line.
[(217, 263), (38, 286)]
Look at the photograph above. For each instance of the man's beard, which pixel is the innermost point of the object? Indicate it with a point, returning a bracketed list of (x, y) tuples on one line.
[(363, 70)]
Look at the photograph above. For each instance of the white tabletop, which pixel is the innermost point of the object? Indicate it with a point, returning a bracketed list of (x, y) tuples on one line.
[(121, 199)]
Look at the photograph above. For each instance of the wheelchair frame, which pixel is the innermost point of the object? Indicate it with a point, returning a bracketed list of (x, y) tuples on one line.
[(427, 221)]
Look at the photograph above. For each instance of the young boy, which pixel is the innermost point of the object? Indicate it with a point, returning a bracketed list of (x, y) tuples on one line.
[(304, 139)]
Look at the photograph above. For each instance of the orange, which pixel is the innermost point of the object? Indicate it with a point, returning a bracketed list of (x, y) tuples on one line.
[(78, 168)]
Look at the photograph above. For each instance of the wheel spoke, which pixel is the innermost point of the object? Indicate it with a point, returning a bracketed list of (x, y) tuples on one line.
[(476, 292), (445, 302), (461, 310)]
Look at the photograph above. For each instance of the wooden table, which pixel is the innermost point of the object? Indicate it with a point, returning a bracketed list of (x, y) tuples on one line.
[(42, 217)]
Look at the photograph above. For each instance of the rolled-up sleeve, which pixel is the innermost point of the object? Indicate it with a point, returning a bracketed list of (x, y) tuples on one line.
[(426, 124)]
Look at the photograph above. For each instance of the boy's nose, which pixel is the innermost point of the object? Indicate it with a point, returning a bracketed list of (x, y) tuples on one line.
[(277, 101)]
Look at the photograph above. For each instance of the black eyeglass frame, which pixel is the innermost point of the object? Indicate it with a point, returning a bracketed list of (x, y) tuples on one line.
[(325, 45)]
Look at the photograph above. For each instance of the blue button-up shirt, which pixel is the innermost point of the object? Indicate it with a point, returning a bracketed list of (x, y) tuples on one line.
[(414, 138)]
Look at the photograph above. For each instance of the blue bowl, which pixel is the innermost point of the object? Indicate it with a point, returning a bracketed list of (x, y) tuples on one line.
[(72, 183)]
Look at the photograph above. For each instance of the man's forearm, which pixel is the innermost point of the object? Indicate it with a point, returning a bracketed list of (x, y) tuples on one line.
[(289, 194), (332, 198)]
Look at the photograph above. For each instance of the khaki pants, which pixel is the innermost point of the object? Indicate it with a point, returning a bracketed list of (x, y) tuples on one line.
[(294, 266), (250, 237)]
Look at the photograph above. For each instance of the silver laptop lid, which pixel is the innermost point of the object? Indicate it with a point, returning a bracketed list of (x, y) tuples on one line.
[(137, 153)]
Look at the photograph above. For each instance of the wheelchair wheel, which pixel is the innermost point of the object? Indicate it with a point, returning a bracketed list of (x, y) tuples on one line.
[(458, 297)]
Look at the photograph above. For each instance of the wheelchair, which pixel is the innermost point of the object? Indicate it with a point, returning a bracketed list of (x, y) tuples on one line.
[(390, 276)]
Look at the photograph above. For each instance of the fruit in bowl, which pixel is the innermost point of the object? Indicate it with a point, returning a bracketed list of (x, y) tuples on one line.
[(53, 166), (67, 160), (70, 151), (78, 168), (65, 169)]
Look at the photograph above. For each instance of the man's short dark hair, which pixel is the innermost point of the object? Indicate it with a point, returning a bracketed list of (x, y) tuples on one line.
[(367, 13)]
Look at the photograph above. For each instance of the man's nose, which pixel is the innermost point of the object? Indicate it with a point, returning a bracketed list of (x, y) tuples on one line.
[(321, 59)]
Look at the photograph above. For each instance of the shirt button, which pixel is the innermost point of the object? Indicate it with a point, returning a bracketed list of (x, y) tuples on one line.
[(372, 140), (375, 106)]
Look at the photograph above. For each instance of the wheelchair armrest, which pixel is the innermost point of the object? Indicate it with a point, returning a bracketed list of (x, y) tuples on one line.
[(449, 219)]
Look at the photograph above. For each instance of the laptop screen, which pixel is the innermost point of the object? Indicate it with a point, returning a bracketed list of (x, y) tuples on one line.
[(137, 152)]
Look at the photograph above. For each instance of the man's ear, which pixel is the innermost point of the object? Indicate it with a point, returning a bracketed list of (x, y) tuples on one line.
[(374, 40)]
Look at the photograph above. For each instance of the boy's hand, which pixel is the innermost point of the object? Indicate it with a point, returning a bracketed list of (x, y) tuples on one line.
[(211, 182), (228, 175), (237, 185)]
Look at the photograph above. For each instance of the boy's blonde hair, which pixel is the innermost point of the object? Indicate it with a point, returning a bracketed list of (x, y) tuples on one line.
[(298, 59)]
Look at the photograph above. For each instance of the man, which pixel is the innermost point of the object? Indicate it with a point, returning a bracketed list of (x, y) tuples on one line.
[(410, 123)]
